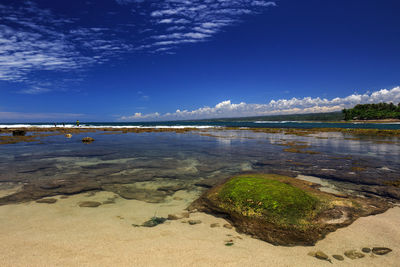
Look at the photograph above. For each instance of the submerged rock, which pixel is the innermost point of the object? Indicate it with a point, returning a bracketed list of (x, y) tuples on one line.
[(282, 210), (381, 250), (89, 204), (18, 133), (87, 140), (47, 200)]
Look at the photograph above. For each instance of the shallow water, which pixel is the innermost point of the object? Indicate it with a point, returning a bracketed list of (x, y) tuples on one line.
[(152, 167)]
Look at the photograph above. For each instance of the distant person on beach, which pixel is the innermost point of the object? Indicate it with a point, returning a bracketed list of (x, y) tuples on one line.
[(63, 124), (55, 124), (77, 123)]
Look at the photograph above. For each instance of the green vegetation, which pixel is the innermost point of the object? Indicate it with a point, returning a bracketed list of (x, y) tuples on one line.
[(266, 196), (373, 112)]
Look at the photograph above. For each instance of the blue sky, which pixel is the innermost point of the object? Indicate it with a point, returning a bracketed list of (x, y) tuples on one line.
[(132, 60)]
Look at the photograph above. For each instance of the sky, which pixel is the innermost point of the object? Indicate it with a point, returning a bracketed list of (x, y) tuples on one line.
[(145, 60)]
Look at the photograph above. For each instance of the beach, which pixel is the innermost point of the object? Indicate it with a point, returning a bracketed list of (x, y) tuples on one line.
[(64, 234), (143, 173)]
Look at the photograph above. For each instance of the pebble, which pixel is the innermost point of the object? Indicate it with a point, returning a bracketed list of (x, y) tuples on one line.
[(354, 254), (338, 257), (47, 200), (173, 217), (154, 222), (89, 204), (366, 250), (381, 250), (213, 225), (193, 222), (179, 216), (228, 226), (321, 256)]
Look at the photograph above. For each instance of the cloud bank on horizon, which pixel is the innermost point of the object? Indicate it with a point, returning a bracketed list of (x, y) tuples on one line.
[(226, 109)]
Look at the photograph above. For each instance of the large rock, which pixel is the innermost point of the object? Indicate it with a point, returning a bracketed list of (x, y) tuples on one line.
[(283, 210)]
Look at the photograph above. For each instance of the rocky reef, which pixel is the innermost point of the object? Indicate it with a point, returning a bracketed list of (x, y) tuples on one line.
[(282, 210)]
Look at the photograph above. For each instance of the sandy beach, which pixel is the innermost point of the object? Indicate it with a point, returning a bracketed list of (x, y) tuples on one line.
[(64, 234)]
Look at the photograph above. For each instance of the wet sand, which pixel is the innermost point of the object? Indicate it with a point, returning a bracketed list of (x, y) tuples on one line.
[(63, 234)]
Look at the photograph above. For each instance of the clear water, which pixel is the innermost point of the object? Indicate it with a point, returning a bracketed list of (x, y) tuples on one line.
[(191, 160)]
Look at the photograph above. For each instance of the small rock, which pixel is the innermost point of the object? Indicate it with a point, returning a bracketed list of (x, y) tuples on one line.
[(89, 204), (228, 226), (338, 257), (321, 256), (229, 244), (178, 216), (87, 140), (154, 222), (381, 250), (47, 200), (354, 254), (213, 225), (366, 250), (173, 217), (193, 222), (68, 135)]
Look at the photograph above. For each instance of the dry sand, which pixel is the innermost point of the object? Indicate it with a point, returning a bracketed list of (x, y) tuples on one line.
[(63, 234)]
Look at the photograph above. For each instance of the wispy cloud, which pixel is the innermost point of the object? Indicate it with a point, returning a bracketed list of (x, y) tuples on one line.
[(274, 107), (34, 39), (179, 22)]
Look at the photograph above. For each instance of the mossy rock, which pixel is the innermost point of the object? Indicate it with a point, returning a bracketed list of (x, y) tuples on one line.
[(278, 202), (283, 210)]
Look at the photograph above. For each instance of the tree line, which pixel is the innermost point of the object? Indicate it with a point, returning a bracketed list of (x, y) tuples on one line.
[(373, 112)]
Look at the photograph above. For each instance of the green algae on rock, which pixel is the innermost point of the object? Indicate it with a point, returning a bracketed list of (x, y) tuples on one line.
[(278, 202), (283, 210)]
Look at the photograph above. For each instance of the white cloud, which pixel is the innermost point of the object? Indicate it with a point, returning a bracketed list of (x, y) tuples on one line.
[(195, 20), (275, 107), (34, 39)]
